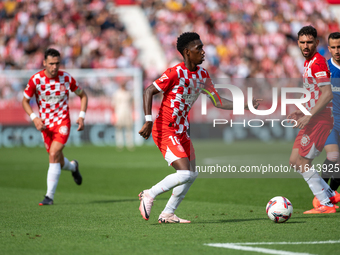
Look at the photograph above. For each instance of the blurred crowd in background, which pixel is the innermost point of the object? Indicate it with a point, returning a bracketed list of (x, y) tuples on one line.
[(87, 33), (242, 38)]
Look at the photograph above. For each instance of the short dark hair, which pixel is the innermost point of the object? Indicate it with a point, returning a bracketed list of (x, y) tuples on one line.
[(185, 39), (308, 30), (335, 35), (51, 52)]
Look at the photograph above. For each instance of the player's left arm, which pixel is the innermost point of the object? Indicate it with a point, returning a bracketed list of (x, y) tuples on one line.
[(220, 102), (83, 107), (226, 104)]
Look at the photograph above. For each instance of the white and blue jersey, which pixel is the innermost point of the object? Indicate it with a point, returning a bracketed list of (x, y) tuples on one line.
[(333, 138)]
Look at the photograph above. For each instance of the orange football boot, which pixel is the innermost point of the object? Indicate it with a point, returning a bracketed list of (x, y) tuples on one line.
[(334, 199), (321, 209)]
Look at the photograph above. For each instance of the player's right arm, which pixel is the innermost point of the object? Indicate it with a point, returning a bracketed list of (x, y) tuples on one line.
[(149, 92), (28, 93), (163, 84)]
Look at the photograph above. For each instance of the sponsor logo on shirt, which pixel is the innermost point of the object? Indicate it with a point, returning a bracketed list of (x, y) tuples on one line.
[(321, 74), (190, 98), (52, 99)]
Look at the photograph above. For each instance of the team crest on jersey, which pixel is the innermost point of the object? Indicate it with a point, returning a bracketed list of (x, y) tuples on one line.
[(164, 77), (180, 148), (63, 130), (305, 140), (62, 87)]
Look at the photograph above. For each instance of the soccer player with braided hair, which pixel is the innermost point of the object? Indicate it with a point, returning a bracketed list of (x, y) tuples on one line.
[(181, 85)]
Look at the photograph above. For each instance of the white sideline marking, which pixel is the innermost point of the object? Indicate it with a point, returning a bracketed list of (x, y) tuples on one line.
[(240, 246), (270, 243), (256, 249)]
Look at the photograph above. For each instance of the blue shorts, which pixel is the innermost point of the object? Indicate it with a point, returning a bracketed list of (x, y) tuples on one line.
[(333, 137)]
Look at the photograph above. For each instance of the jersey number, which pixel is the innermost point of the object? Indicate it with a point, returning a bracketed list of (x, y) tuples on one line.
[(174, 140)]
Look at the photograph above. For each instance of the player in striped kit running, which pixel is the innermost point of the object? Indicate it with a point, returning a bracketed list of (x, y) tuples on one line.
[(51, 89), (181, 85)]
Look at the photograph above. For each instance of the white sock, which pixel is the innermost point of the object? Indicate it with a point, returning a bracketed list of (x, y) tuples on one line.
[(178, 194), (53, 175), (68, 165), (314, 181), (329, 191), (169, 182)]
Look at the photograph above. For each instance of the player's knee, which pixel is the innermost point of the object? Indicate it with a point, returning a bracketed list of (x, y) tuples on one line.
[(184, 176), (292, 163), (292, 160), (193, 176), (333, 156), (296, 163), (54, 155)]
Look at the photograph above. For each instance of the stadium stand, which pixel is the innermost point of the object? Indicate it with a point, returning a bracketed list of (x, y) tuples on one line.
[(88, 35), (242, 38)]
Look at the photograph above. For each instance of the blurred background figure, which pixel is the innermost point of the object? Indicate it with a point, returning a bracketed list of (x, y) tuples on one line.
[(122, 103)]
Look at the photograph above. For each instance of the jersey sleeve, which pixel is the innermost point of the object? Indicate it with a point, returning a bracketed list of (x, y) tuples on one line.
[(166, 80), (210, 86), (321, 73), (73, 84), (30, 89)]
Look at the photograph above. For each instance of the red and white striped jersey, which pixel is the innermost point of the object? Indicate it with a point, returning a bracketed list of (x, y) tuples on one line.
[(181, 89), (317, 74), (51, 95)]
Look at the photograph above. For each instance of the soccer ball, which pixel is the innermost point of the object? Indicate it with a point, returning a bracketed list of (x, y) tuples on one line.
[(279, 209)]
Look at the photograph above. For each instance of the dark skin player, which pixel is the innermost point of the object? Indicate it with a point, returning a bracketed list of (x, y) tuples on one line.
[(193, 56)]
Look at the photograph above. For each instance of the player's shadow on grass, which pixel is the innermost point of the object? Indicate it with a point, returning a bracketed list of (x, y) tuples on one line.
[(226, 220), (119, 200), (291, 221), (309, 216), (241, 220), (233, 221), (193, 221), (113, 201)]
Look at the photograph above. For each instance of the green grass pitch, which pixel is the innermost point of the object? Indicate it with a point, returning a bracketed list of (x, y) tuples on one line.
[(101, 216)]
